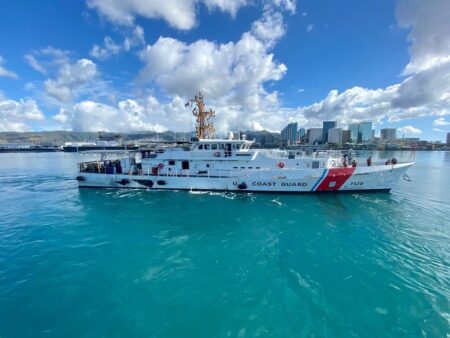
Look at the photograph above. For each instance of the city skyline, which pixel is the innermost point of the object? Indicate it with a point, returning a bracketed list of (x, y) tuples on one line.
[(331, 133), (131, 65)]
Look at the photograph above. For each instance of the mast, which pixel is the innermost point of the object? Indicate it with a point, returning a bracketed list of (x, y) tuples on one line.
[(204, 128)]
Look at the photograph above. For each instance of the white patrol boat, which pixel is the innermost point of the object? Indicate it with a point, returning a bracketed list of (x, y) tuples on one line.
[(231, 165)]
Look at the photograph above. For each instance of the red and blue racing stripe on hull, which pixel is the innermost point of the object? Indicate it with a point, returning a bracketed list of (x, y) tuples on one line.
[(333, 179)]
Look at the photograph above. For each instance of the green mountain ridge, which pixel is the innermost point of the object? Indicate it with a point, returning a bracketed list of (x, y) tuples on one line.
[(60, 137)]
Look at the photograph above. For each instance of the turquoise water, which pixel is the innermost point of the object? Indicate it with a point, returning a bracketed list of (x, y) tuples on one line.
[(110, 263)]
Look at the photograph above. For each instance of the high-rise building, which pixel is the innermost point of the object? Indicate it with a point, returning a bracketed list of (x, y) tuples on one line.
[(335, 135), (388, 134), (345, 136), (289, 134), (448, 139), (301, 135), (361, 132), (327, 125), (314, 135), (365, 132), (353, 128), (264, 139)]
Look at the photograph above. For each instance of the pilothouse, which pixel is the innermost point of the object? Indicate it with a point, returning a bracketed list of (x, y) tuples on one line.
[(211, 164)]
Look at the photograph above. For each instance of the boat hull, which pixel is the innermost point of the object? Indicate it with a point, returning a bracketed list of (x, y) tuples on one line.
[(376, 178)]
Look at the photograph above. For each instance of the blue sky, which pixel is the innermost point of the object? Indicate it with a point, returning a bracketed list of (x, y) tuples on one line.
[(124, 65)]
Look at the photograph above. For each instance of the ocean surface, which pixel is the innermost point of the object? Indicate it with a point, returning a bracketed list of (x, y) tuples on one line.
[(111, 263)]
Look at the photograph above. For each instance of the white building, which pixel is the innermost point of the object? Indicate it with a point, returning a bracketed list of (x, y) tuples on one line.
[(388, 134), (335, 135), (314, 135)]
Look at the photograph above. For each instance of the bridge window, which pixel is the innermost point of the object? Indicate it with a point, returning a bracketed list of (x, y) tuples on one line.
[(200, 146), (221, 146), (213, 146), (207, 146), (171, 162)]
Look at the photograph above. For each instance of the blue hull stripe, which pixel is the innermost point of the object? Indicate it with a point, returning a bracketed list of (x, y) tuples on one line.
[(320, 179)]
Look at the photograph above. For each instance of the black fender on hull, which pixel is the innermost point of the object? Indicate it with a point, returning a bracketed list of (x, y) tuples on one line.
[(81, 178), (124, 181), (242, 186), (147, 183)]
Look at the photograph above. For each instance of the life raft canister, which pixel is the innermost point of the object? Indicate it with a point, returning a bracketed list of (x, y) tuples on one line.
[(217, 154), (280, 165)]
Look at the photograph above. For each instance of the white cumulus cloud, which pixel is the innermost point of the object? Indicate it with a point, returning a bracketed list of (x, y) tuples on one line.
[(180, 14), (288, 5), (270, 28), (236, 76), (409, 130), (426, 93), (15, 115), (45, 59), (128, 115), (5, 72), (35, 64), (110, 47), (426, 90), (233, 76), (429, 35), (237, 69), (441, 122), (230, 6), (70, 77)]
